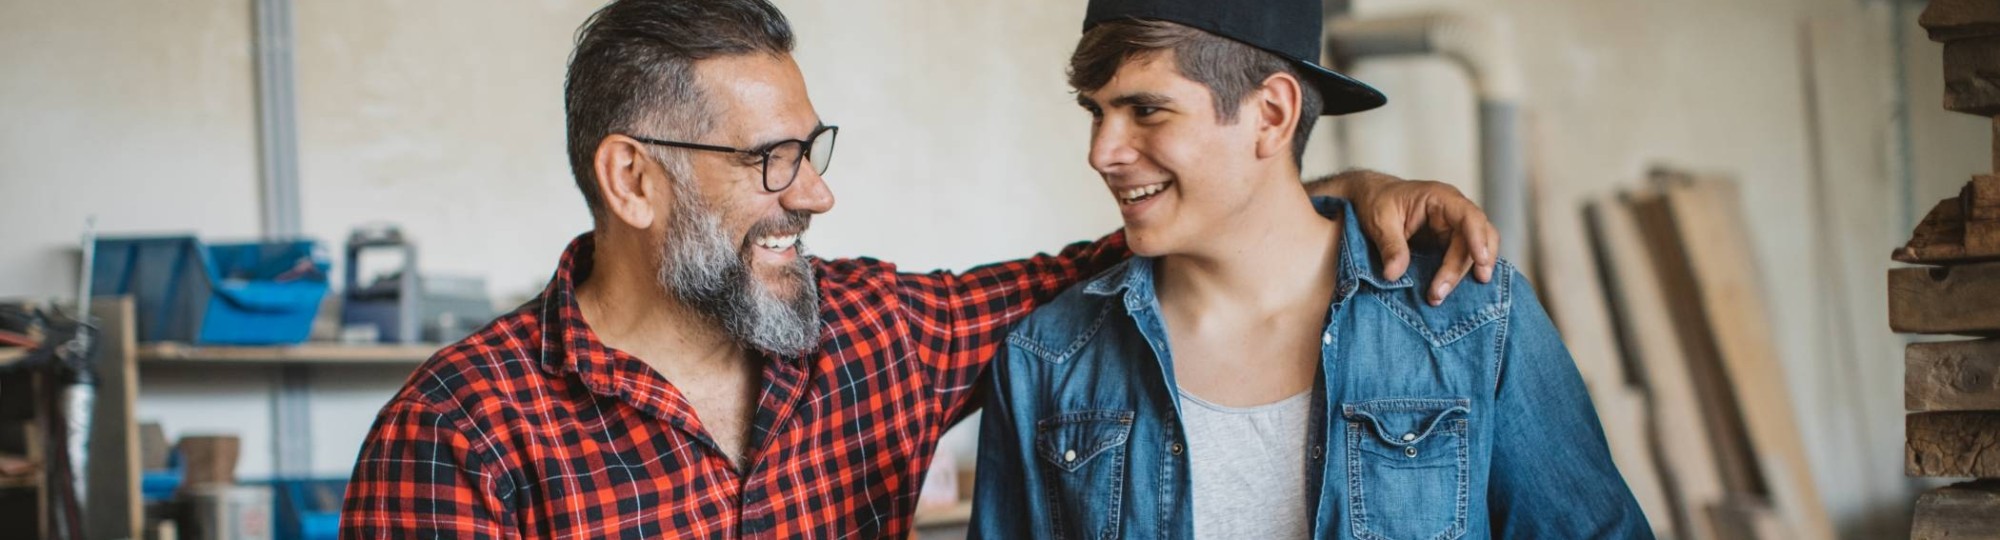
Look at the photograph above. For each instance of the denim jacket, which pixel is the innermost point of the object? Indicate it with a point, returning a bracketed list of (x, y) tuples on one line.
[(1466, 420)]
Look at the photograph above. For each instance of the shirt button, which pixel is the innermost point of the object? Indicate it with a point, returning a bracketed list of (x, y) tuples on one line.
[(1407, 437), (1326, 338), (1410, 452), (1069, 455), (1174, 448)]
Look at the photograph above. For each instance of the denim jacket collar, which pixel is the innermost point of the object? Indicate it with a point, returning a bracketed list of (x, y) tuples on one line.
[(1134, 278)]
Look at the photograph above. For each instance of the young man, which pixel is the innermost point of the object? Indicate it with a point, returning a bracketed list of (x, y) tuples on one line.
[(1249, 374), (689, 372)]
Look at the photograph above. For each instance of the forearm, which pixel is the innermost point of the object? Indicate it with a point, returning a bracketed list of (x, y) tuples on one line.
[(1350, 184)]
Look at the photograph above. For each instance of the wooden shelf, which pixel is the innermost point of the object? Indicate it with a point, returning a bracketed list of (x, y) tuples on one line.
[(310, 353)]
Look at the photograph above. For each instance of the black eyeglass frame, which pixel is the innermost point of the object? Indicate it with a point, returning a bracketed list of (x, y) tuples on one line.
[(764, 153)]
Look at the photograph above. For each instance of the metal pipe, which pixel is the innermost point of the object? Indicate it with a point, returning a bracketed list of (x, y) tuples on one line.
[(277, 125), (1484, 48)]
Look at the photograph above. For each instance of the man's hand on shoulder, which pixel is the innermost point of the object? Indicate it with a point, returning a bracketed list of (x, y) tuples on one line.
[(1393, 210)]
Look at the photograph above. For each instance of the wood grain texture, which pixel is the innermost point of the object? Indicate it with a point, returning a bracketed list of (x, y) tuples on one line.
[(1952, 444), (1952, 376), (1960, 229), (1957, 512), (1646, 328), (1708, 215), (1963, 299), (113, 508), (1972, 75), (1951, 20)]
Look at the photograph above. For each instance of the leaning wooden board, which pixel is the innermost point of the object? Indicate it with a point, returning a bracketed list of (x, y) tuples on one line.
[(1686, 452), (114, 509), (1708, 214), (1576, 302), (1735, 457)]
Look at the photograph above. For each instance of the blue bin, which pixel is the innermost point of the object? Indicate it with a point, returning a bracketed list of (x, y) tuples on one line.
[(308, 508), (223, 294)]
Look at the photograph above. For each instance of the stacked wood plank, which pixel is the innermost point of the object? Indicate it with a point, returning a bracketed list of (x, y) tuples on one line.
[(1952, 388)]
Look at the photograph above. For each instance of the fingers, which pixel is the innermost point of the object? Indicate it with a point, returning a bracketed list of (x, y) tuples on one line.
[(1457, 262), (1387, 229), (1482, 240)]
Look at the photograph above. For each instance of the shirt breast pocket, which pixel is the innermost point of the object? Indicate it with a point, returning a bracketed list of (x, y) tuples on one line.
[(1407, 468), (1083, 455)]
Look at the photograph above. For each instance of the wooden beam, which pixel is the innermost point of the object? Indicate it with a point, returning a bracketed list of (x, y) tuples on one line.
[(1708, 217), (1945, 299), (1972, 75), (1734, 455), (1949, 20), (1952, 376), (114, 508), (1952, 444), (1576, 302), (1646, 329), (1969, 510)]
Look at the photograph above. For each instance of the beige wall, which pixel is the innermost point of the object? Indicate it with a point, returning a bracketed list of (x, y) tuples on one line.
[(960, 144), (136, 112)]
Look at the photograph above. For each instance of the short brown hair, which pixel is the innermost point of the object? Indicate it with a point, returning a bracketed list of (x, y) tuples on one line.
[(1229, 68)]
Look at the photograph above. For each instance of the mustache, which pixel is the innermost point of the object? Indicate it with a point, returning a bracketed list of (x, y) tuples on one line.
[(785, 223)]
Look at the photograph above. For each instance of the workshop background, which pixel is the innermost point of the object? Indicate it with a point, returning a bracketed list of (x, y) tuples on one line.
[(1759, 160)]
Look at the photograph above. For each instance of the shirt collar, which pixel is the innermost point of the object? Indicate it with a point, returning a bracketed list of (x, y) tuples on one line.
[(1358, 263)]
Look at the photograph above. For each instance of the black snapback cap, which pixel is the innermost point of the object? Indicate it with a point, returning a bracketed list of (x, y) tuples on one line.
[(1290, 29)]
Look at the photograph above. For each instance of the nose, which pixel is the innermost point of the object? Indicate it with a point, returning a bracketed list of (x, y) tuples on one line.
[(808, 192), (1111, 146)]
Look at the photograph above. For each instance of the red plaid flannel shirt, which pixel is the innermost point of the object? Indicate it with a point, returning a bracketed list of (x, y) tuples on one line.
[(532, 428)]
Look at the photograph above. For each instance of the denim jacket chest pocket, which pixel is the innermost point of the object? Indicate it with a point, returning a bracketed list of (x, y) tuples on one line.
[(1408, 468), (1084, 456)]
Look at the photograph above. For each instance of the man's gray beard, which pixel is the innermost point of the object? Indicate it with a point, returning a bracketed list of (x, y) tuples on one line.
[(700, 266)]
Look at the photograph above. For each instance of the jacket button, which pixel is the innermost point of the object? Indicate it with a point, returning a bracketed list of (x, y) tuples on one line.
[(1326, 338), (1407, 437), (1174, 448), (1410, 452), (1069, 455)]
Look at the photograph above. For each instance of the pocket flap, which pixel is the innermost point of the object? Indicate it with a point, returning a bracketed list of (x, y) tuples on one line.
[(1070, 440), (1405, 422)]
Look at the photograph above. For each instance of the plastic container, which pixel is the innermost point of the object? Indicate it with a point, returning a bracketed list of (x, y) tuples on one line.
[(264, 293), (309, 509)]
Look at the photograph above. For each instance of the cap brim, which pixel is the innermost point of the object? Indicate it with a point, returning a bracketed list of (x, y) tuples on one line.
[(1341, 94)]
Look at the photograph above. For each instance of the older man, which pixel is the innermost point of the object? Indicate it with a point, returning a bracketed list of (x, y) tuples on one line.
[(689, 372)]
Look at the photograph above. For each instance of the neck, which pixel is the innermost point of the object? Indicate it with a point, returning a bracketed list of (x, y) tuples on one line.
[(1275, 247), (628, 308)]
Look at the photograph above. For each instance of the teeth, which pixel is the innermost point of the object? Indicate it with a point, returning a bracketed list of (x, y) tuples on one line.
[(778, 243), (1141, 191)]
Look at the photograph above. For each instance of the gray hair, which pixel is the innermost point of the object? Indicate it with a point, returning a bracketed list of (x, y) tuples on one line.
[(633, 71)]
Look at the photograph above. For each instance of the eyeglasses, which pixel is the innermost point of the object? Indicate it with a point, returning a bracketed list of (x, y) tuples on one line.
[(817, 147)]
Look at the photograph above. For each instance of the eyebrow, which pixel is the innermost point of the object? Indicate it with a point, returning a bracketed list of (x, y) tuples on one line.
[(1141, 99), (1135, 99)]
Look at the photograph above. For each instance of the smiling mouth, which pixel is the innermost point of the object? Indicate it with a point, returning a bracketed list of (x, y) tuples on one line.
[(778, 242), (1142, 193)]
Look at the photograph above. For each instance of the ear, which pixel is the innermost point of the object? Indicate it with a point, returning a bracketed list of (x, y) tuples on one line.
[(621, 165), (1276, 105)]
